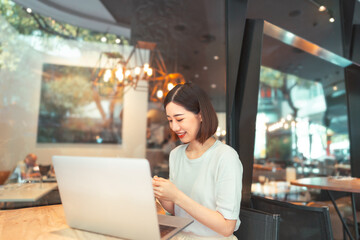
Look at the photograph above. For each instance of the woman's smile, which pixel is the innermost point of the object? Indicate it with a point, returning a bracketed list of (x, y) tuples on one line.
[(181, 135)]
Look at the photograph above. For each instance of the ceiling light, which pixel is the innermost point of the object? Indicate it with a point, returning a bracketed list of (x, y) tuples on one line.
[(196, 76), (322, 8), (137, 71), (103, 39), (118, 41), (213, 85), (146, 67), (107, 75), (29, 10), (114, 73), (149, 72), (205, 68), (216, 57), (170, 86), (335, 88), (159, 93), (331, 19), (127, 73)]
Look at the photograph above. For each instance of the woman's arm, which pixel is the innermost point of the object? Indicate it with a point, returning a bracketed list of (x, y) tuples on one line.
[(168, 206), (166, 191)]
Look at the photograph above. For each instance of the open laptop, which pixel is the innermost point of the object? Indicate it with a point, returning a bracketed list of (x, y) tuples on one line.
[(112, 196)]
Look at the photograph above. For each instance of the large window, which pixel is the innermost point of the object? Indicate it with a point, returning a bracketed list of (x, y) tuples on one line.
[(92, 83), (301, 127)]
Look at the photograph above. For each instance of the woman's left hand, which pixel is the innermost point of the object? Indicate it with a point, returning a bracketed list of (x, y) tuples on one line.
[(164, 189)]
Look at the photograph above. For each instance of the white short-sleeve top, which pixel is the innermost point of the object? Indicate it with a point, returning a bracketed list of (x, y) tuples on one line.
[(214, 180)]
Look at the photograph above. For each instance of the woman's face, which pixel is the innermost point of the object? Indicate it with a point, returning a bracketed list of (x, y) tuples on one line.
[(184, 123)]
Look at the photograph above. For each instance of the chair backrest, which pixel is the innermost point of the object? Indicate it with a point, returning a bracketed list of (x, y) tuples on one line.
[(3, 176), (44, 169), (258, 225), (297, 221)]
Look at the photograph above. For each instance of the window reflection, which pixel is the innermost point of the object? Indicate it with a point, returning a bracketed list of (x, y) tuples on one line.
[(294, 135), (63, 85)]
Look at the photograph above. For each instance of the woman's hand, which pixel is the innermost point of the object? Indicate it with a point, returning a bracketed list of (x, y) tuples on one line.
[(164, 189)]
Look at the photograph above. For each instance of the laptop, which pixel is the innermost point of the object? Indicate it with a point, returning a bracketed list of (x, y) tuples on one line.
[(112, 196)]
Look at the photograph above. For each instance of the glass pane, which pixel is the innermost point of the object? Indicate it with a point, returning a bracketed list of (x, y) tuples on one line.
[(90, 82), (301, 127)]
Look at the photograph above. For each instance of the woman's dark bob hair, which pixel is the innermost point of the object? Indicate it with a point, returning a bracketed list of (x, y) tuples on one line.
[(195, 100)]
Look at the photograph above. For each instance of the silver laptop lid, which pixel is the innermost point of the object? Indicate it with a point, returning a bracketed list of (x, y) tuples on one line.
[(111, 196)]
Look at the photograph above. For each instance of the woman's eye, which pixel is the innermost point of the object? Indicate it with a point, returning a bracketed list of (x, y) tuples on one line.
[(179, 120)]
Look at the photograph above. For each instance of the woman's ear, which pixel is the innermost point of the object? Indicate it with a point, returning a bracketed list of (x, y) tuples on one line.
[(200, 117)]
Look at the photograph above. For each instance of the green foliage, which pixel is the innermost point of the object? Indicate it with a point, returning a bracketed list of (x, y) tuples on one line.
[(65, 92), (279, 147), (277, 79), (35, 24), (271, 77)]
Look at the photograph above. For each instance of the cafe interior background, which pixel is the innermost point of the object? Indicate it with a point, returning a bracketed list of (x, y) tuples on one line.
[(88, 79)]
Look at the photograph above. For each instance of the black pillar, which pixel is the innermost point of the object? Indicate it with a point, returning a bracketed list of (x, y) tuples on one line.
[(355, 44), (347, 9), (352, 81), (235, 17), (242, 98), (235, 24)]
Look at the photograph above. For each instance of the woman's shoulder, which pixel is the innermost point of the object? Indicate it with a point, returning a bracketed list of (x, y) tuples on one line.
[(225, 154), (178, 149), (223, 148)]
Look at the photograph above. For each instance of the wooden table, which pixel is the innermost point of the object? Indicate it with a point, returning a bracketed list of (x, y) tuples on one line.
[(342, 184), (44, 223), (27, 192), (41, 223)]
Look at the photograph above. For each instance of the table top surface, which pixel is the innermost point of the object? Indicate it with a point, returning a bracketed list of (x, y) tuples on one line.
[(41, 223), (342, 184), (44, 223), (27, 192)]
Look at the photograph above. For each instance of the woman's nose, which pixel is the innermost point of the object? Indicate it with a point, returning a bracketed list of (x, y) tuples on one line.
[(175, 126)]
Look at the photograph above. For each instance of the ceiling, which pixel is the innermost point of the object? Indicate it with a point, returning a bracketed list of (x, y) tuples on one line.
[(191, 34)]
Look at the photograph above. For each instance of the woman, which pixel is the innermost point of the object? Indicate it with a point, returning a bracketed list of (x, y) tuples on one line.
[(205, 174)]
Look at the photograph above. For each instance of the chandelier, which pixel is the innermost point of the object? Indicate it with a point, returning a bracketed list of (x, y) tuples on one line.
[(114, 74)]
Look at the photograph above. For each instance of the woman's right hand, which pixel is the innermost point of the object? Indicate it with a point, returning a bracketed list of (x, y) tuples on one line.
[(164, 189)]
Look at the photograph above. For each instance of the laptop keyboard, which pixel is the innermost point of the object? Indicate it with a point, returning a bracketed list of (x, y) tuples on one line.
[(165, 229)]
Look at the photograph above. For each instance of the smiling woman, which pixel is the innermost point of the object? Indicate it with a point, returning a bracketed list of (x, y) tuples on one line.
[(205, 174)]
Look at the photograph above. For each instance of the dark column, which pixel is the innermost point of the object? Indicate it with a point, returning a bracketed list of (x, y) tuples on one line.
[(350, 31), (235, 17), (355, 44), (243, 110), (352, 81), (235, 24), (347, 15)]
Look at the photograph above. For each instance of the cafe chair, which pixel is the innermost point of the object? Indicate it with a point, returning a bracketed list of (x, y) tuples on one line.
[(344, 205), (258, 225), (4, 176), (297, 221), (44, 169)]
